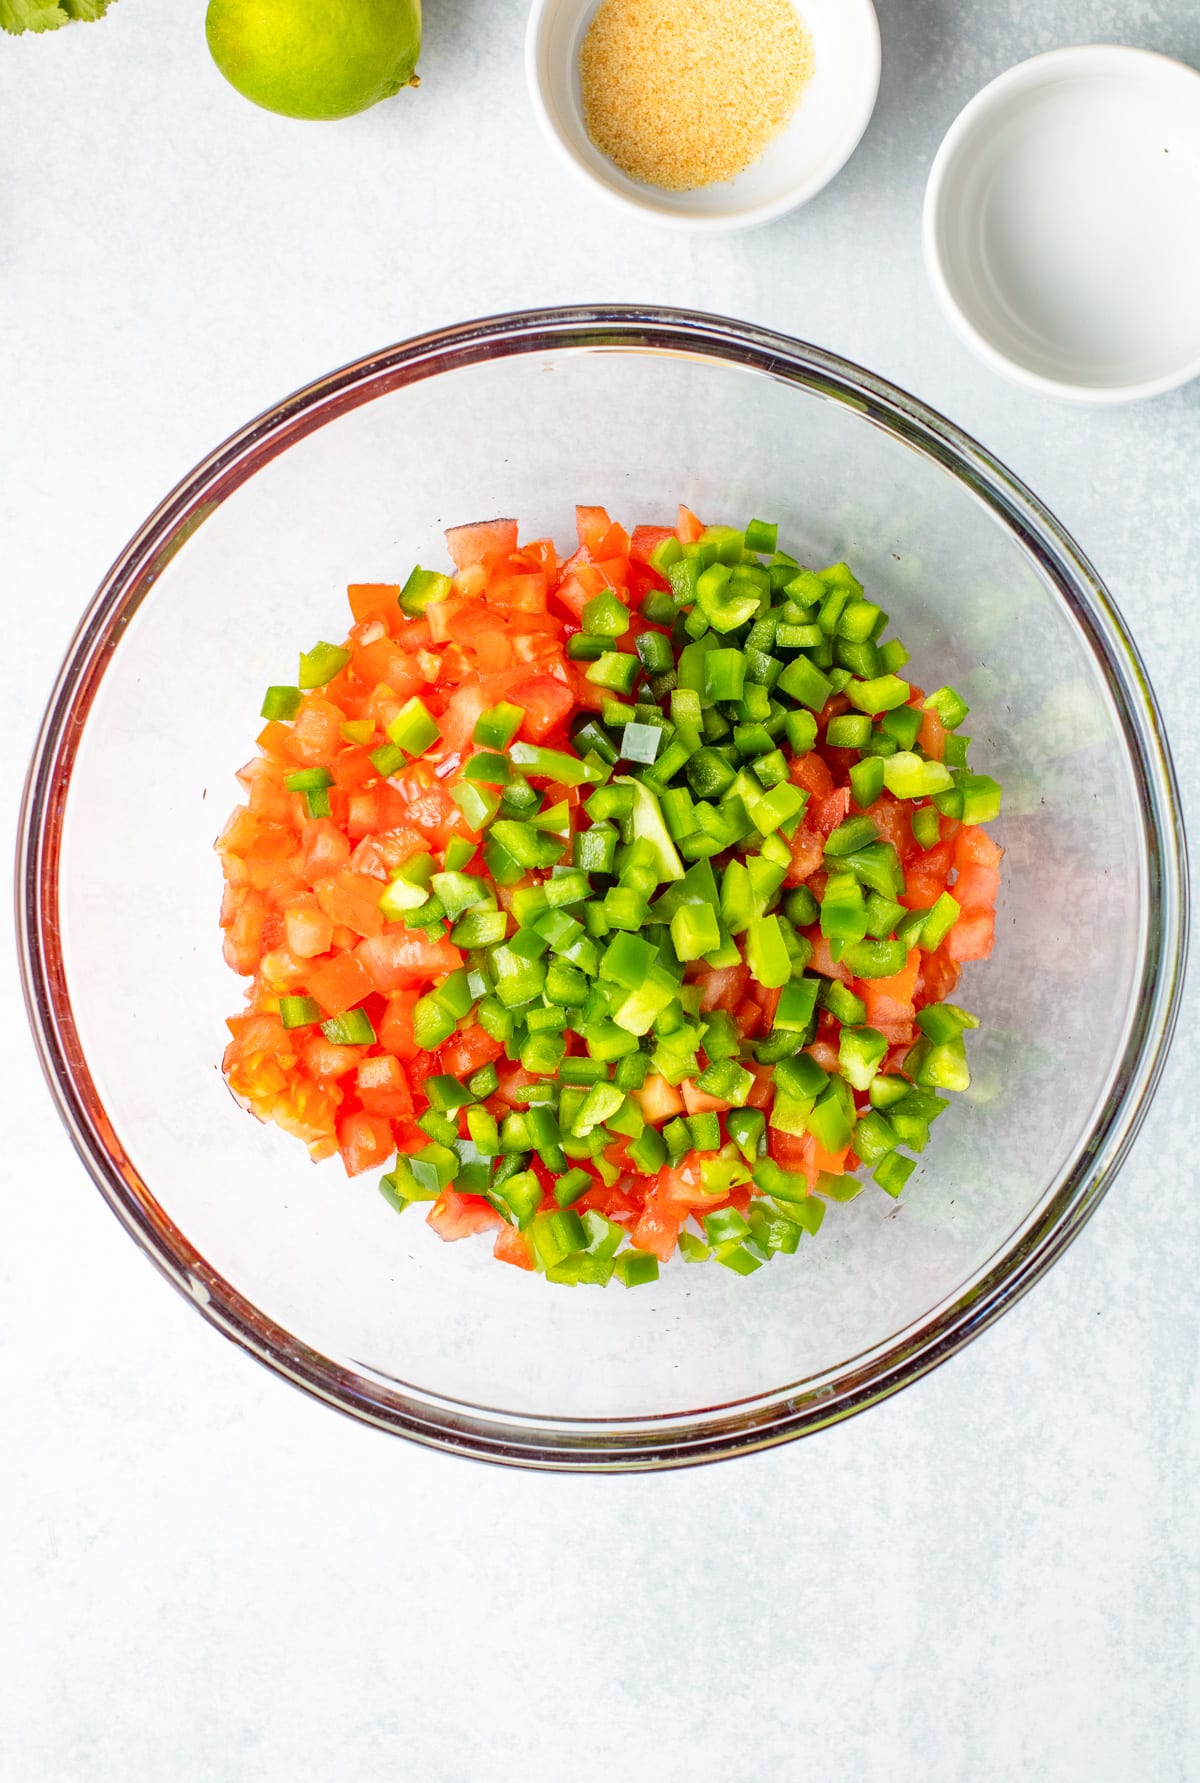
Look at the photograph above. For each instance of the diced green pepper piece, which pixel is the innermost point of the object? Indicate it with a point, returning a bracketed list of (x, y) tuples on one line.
[(909, 776), (941, 1022), (778, 807), (299, 1012), (422, 589), (414, 727), (281, 703), (980, 797), (766, 955), (861, 1051), (634, 1268), (866, 780), (496, 728), (893, 1171), (321, 664), (616, 669), (941, 1067), (797, 1005), (875, 959), (747, 1127), (939, 921), (882, 694), (695, 931), (517, 1197), (806, 684), (949, 706), (353, 1028)]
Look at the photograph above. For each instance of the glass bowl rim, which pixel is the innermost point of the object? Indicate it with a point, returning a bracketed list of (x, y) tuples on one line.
[(669, 1440)]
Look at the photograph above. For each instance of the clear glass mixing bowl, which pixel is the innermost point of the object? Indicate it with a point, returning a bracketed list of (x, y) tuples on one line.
[(353, 479)]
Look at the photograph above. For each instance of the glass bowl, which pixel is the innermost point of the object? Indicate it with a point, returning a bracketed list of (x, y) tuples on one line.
[(353, 479)]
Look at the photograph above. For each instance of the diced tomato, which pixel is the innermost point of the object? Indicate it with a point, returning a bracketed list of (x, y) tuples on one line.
[(925, 876), (789, 1150), (825, 1053), (808, 853), (421, 1066), (645, 540), (547, 702), (486, 539), (428, 805), (976, 886), (822, 960), (805, 1155), (939, 976), (243, 936), (351, 900), (698, 1101), (365, 1142), (281, 971), (722, 987), (340, 983), (748, 1017), (889, 1001), (657, 1229), (316, 731), (353, 768), (399, 958), (274, 738), (612, 1202), (396, 1025), (383, 1088), (680, 1186), (972, 936), (641, 580), (812, 773), (932, 735), (309, 930), (974, 847), (327, 1061), (613, 546), (326, 849), (512, 1079), (512, 1246), (519, 595), (463, 712), (367, 598), (461, 1216), (826, 814), (687, 528), (658, 1100), (388, 662), (591, 526), (469, 1050), (892, 819), (763, 1091)]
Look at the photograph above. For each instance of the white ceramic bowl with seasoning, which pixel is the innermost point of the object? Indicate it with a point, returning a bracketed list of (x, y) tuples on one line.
[(823, 132)]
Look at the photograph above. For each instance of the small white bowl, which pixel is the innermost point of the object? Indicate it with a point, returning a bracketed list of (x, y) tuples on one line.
[(822, 134), (1062, 224)]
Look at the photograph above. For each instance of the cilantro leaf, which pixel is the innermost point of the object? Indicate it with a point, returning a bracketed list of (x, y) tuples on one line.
[(17, 16), (30, 15)]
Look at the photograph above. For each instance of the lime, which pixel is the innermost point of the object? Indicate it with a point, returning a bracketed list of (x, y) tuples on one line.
[(315, 58)]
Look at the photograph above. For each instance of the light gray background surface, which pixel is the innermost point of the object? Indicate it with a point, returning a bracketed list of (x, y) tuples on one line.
[(204, 1575)]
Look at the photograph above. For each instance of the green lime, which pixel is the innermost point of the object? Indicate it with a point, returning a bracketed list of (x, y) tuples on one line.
[(315, 58)]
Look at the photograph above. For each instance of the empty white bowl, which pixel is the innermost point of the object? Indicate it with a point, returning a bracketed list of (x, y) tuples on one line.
[(1062, 223), (818, 140)]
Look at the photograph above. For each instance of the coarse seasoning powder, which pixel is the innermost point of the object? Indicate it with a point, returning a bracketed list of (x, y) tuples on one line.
[(684, 93)]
